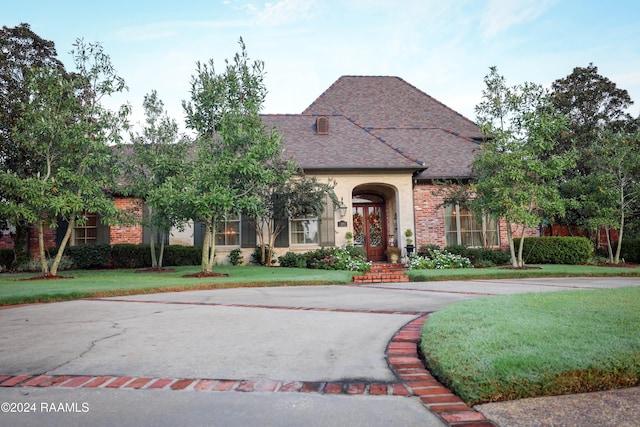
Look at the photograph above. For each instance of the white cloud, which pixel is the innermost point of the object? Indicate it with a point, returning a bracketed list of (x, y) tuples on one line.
[(500, 15), (282, 12)]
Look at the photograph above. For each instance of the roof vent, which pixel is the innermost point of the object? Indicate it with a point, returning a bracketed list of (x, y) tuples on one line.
[(322, 125)]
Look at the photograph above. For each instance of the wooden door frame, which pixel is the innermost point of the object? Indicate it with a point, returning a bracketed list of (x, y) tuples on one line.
[(370, 251)]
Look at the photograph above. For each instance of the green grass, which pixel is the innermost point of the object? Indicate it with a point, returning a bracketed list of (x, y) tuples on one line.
[(547, 270), (513, 347), (14, 289)]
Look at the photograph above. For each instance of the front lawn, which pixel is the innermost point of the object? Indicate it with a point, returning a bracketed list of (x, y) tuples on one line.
[(14, 289), (546, 270), (518, 346)]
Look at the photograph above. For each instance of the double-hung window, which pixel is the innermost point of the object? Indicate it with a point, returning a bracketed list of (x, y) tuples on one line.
[(87, 232), (228, 231), (304, 231), (464, 227)]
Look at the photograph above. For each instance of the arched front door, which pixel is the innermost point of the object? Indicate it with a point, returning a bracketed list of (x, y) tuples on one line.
[(369, 225)]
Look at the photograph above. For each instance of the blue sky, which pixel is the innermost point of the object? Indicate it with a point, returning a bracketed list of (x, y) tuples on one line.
[(444, 47)]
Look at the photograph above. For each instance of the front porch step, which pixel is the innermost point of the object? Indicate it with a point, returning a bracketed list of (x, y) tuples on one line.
[(383, 273)]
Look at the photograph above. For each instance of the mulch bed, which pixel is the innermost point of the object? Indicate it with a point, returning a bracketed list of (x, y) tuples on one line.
[(156, 270), (203, 274)]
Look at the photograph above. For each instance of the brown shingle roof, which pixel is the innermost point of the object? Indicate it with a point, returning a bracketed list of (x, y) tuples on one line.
[(386, 101), (445, 154), (346, 146)]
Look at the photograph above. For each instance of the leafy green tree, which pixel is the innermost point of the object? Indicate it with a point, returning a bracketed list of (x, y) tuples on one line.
[(66, 130), (615, 169), (516, 171), (21, 50), (595, 106), (156, 154), (290, 194), (232, 147)]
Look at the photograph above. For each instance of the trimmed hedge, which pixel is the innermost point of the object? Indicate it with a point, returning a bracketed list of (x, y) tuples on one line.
[(126, 255), (6, 258), (630, 251), (181, 255), (480, 257), (92, 255), (556, 250)]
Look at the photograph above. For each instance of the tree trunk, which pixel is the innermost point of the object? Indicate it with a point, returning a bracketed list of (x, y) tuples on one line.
[(512, 249), (607, 232), (63, 244), (43, 257), (161, 256), (206, 246), (152, 246), (520, 249), (152, 242), (616, 260)]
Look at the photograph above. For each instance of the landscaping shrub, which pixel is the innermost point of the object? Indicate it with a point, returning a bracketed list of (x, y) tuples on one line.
[(256, 256), (480, 257), (128, 255), (181, 255), (556, 250), (235, 256), (437, 259), (92, 255), (630, 251), (294, 260), (6, 258), (333, 258)]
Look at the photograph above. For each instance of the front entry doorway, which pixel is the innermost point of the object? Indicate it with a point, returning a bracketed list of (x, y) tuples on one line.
[(369, 225)]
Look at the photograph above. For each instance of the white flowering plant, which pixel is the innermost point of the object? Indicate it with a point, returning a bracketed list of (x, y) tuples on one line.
[(437, 259)]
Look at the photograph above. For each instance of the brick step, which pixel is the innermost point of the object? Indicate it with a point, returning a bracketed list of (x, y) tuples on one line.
[(383, 273)]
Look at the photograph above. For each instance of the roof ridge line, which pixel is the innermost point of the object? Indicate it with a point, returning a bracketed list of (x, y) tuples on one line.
[(384, 141), (438, 101)]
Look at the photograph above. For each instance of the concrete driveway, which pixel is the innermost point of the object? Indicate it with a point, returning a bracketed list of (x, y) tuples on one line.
[(184, 358)]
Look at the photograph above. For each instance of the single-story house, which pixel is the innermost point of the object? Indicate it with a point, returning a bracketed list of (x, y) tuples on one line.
[(388, 146)]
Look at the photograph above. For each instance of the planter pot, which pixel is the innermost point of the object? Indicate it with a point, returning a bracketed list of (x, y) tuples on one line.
[(410, 249)]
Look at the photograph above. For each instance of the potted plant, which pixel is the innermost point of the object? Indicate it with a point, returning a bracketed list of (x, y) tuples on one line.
[(408, 234), (393, 252), (349, 236)]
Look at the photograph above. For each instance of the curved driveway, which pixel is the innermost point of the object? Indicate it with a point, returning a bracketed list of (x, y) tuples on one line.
[(269, 337)]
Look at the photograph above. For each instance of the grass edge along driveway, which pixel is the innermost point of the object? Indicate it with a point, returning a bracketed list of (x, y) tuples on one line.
[(541, 344), (15, 289)]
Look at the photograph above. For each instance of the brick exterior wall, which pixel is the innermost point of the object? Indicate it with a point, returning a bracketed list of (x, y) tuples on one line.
[(429, 218), (6, 241), (117, 234), (49, 240), (127, 233)]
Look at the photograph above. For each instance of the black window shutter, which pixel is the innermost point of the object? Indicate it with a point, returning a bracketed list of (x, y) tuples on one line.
[(247, 232), (327, 221)]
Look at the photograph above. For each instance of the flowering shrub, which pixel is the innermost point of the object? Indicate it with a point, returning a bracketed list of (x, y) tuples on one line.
[(337, 259), (437, 259), (350, 258)]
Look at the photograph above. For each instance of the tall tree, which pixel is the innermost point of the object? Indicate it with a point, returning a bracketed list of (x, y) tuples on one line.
[(615, 167), (516, 171), (232, 146), (156, 154), (21, 50), (595, 106), (67, 130)]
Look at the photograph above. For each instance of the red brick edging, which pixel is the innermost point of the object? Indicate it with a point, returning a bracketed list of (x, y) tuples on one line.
[(403, 358)]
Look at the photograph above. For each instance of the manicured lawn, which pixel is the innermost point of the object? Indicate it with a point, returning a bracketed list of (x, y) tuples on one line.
[(14, 289), (547, 270), (512, 347)]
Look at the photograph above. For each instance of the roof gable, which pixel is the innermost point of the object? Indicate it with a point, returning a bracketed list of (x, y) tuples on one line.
[(388, 101), (345, 146)]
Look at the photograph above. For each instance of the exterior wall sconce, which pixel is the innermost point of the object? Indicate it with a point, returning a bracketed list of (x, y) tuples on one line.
[(342, 208)]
